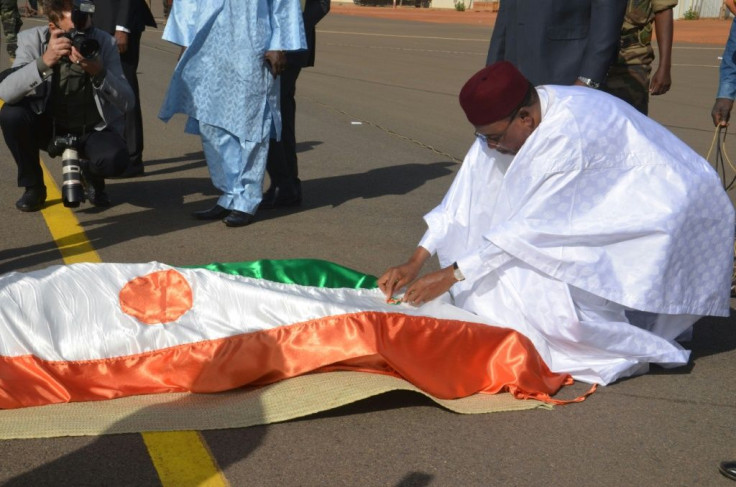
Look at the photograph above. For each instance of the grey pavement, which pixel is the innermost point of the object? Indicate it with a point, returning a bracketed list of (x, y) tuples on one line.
[(381, 136)]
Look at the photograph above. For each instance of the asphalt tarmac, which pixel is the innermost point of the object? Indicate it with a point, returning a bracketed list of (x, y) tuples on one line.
[(380, 137)]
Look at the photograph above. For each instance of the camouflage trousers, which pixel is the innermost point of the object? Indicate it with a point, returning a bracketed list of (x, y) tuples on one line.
[(10, 17), (631, 84)]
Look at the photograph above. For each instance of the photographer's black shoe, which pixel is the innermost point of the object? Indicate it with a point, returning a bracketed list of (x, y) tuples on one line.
[(32, 200), (95, 186), (98, 197)]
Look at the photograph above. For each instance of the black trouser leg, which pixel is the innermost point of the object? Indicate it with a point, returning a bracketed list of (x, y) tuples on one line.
[(25, 133), (282, 164), (107, 154), (133, 120)]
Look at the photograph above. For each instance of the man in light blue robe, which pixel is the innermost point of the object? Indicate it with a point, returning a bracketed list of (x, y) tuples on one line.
[(226, 83)]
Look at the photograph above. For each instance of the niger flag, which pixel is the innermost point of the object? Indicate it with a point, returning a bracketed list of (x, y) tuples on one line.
[(87, 332)]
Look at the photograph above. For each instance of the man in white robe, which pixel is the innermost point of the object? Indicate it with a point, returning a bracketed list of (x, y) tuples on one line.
[(579, 222), (226, 83)]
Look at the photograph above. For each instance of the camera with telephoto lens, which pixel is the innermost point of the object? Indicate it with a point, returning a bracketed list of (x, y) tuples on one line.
[(72, 189), (87, 47)]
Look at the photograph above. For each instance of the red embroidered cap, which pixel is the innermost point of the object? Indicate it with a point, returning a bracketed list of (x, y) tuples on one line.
[(492, 93)]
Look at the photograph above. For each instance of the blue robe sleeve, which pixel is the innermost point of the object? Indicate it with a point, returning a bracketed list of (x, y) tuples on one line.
[(287, 26)]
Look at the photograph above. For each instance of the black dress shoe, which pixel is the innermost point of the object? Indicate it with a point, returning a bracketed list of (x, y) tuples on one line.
[(238, 219), (32, 200), (281, 197), (214, 213), (728, 469)]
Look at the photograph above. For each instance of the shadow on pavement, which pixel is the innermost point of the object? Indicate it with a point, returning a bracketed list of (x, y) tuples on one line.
[(107, 460), (163, 210), (336, 190), (394, 180), (711, 336)]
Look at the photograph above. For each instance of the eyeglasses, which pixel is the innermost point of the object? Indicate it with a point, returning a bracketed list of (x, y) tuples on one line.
[(494, 141)]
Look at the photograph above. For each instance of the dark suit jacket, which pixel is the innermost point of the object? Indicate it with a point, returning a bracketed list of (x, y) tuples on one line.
[(314, 11), (134, 15), (555, 41)]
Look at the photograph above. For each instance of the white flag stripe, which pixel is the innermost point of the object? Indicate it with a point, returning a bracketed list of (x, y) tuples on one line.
[(72, 312)]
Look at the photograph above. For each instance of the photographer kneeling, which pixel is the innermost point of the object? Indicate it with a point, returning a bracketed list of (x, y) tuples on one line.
[(66, 91)]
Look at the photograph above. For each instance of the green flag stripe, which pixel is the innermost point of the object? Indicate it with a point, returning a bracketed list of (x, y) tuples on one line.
[(305, 272)]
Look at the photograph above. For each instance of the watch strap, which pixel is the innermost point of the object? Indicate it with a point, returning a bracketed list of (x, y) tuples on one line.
[(457, 272)]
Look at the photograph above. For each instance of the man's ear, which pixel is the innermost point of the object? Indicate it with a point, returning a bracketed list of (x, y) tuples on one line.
[(48, 33), (525, 114)]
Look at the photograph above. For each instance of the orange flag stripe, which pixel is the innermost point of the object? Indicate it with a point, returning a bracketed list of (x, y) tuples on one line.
[(446, 358)]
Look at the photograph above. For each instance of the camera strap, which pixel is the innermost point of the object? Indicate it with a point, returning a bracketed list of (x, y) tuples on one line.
[(74, 107)]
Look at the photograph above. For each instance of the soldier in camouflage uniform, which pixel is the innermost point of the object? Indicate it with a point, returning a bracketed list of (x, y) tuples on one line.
[(11, 24), (629, 77)]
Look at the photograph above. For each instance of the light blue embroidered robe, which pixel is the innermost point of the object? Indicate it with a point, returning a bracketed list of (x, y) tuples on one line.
[(222, 79), (224, 85)]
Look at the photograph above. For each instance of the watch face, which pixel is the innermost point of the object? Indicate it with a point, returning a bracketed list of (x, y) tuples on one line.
[(589, 82)]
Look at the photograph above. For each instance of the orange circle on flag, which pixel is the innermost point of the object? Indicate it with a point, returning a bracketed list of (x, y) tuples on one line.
[(158, 297)]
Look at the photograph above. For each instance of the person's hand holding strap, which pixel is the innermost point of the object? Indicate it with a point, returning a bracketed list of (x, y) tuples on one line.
[(721, 111)]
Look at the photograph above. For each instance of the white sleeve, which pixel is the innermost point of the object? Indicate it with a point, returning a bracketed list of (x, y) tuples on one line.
[(487, 259)]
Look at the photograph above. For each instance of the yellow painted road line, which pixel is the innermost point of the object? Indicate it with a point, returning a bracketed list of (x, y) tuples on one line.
[(181, 458), (64, 226)]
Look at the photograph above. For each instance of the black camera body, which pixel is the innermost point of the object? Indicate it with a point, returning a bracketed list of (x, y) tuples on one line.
[(81, 11), (89, 48), (72, 188), (62, 142)]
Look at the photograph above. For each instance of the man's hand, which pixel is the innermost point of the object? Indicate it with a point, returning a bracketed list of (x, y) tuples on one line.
[(430, 286), (59, 46), (661, 82), (122, 39), (397, 277), (90, 66), (721, 111), (276, 61)]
